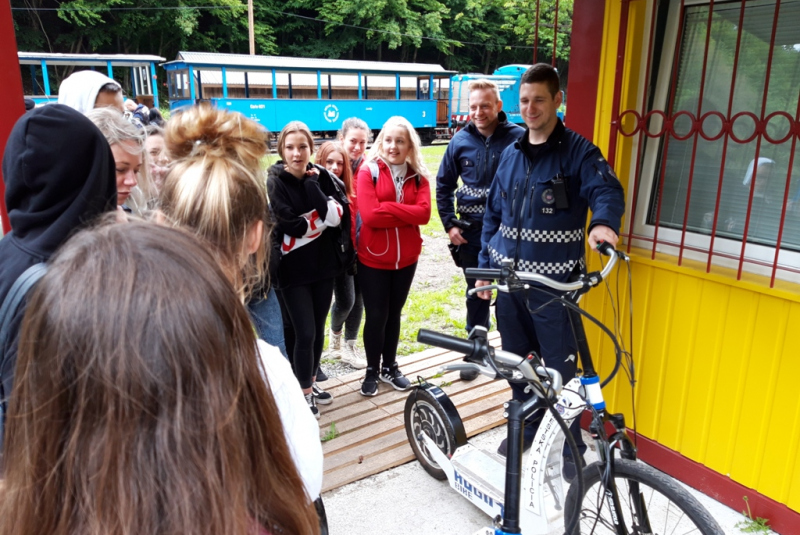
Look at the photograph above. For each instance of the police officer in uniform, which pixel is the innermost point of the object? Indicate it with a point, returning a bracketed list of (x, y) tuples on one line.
[(473, 154), (536, 215)]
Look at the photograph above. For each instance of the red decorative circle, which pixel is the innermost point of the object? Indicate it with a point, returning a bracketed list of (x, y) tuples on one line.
[(789, 130), (722, 128), (691, 131), (756, 123), (638, 123), (664, 123)]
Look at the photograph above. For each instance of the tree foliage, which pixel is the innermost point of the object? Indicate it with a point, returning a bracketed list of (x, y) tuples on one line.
[(463, 35)]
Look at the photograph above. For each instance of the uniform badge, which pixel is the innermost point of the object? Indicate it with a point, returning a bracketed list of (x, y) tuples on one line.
[(548, 197)]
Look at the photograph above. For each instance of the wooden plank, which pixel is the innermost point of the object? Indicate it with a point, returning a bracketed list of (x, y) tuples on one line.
[(372, 435)]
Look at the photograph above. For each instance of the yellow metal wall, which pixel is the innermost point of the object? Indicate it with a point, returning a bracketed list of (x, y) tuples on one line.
[(717, 359)]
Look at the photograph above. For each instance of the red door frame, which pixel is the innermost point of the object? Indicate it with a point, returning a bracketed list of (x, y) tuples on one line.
[(13, 106)]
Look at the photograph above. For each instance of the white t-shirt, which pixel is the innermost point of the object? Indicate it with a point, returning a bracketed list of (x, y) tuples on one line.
[(299, 425)]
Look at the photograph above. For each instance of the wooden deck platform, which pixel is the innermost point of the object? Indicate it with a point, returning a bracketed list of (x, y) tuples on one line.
[(372, 435)]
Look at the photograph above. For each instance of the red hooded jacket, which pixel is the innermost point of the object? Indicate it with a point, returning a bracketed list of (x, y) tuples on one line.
[(389, 237)]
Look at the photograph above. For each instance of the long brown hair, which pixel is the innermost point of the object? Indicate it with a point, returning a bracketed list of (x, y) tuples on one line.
[(216, 187), (140, 405), (347, 172)]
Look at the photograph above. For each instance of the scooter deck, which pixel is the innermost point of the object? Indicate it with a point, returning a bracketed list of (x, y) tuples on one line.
[(477, 469)]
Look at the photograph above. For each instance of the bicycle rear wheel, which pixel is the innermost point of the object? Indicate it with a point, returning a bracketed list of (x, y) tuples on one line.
[(650, 503)]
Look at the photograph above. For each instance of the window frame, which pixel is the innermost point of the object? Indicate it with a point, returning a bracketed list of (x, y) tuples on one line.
[(758, 259)]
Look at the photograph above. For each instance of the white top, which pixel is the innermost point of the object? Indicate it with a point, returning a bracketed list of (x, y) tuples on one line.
[(299, 425)]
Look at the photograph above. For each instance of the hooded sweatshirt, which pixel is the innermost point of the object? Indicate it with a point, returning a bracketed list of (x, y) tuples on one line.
[(79, 90), (59, 173)]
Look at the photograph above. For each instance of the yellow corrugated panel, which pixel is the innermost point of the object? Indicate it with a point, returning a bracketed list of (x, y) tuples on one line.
[(678, 333), (781, 466), (760, 358), (705, 358)]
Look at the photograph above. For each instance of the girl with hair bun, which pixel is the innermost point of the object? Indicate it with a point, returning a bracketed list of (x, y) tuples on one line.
[(215, 190), (312, 235), (139, 402), (392, 208), (348, 306)]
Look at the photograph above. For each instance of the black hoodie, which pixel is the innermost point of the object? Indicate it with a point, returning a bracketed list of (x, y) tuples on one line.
[(59, 173)]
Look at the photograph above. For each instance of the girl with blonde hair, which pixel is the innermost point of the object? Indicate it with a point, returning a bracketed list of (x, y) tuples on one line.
[(394, 200), (140, 404), (216, 191), (135, 192)]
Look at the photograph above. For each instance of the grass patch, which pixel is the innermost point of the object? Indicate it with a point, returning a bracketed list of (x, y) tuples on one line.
[(432, 157), (330, 434), (440, 310)]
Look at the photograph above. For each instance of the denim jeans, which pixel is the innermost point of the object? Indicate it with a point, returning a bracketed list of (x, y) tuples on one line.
[(266, 315)]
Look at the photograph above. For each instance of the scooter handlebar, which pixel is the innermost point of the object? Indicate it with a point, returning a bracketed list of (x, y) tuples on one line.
[(445, 341)]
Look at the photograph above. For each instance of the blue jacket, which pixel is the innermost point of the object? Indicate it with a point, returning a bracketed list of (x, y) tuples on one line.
[(474, 158), (522, 220)]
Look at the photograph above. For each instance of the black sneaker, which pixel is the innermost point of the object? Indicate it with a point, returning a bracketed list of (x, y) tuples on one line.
[(395, 377), (312, 404), (568, 470), (321, 377), (502, 449), (323, 398), (468, 375), (369, 386)]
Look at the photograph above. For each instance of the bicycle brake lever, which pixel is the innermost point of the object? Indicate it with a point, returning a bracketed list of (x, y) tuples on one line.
[(499, 287)]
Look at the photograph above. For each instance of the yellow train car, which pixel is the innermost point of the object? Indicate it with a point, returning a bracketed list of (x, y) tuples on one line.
[(696, 104)]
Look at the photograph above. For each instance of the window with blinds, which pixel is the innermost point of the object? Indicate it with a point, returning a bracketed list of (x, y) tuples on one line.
[(729, 163)]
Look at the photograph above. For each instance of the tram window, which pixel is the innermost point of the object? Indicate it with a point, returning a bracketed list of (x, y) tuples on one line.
[(179, 84), (380, 87), (339, 86), (409, 89)]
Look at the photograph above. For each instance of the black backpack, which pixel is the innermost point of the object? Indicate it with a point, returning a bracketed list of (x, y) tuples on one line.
[(8, 310)]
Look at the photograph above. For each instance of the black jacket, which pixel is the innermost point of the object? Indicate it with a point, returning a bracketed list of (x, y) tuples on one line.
[(59, 173), (290, 201)]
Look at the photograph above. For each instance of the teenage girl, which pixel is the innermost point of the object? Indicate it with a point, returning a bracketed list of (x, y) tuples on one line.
[(392, 206), (134, 191), (312, 235), (346, 311), (139, 402), (353, 137), (215, 190)]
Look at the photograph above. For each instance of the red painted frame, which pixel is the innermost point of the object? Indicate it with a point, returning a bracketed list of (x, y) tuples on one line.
[(13, 104)]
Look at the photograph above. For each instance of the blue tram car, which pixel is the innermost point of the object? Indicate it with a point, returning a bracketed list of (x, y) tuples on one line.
[(138, 70), (274, 90)]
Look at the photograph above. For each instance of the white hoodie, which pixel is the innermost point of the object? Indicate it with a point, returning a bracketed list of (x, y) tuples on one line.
[(79, 90)]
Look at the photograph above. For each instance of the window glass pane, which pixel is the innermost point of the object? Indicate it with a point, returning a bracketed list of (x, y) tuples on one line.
[(717, 167)]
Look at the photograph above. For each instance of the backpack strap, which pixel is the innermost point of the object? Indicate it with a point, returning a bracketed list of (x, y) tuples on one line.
[(373, 168), (9, 308), (15, 296)]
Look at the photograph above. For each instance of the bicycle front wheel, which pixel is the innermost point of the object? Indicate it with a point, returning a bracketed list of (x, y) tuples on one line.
[(650, 503)]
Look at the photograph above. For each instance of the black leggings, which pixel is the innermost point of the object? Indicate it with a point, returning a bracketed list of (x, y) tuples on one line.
[(385, 292), (304, 308)]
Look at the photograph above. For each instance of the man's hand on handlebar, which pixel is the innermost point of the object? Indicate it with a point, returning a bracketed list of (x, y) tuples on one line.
[(601, 233), (486, 294)]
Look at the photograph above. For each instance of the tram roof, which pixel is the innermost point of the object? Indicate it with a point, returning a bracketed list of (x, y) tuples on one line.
[(246, 62), (127, 60)]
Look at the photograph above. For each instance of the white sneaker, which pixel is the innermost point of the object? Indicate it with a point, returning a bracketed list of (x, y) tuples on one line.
[(335, 341), (351, 356)]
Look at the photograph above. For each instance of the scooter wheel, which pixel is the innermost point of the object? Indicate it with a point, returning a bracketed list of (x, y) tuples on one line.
[(429, 411)]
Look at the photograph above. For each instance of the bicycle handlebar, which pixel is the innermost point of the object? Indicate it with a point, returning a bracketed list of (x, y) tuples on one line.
[(505, 272)]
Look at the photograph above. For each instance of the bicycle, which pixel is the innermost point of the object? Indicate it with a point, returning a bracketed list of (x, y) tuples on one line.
[(613, 495)]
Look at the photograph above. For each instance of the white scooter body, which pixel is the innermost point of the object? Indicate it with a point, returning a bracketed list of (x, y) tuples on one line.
[(480, 476)]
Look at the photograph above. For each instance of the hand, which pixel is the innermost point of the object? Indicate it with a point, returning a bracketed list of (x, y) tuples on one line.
[(602, 233), (485, 294), (312, 174), (455, 236)]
